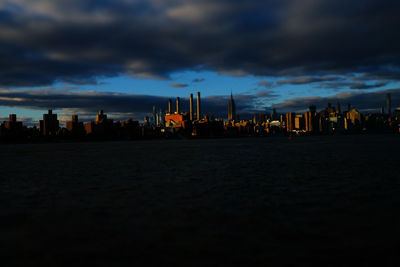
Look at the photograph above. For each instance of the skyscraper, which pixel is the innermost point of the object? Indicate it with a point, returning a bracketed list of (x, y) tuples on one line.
[(231, 109), (49, 125), (273, 114), (388, 104), (154, 116)]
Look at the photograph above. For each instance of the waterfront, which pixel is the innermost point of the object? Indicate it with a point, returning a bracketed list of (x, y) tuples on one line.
[(249, 201)]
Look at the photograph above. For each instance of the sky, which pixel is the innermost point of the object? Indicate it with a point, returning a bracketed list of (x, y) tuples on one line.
[(124, 56)]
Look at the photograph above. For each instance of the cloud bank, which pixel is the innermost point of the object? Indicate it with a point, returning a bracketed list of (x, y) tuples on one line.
[(45, 41)]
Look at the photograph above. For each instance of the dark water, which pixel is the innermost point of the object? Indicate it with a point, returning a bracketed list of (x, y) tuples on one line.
[(331, 201)]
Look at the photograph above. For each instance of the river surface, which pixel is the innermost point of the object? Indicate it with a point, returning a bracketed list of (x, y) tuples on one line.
[(327, 200)]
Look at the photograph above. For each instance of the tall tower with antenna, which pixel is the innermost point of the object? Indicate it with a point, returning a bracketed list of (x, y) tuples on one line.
[(231, 109)]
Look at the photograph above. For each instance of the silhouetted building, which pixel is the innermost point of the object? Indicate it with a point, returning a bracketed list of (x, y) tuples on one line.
[(388, 104), (49, 125), (101, 117), (353, 121), (75, 127), (160, 118), (231, 109), (11, 128), (330, 109), (146, 121), (311, 121), (273, 115), (155, 116), (261, 118), (102, 127), (397, 113), (129, 130)]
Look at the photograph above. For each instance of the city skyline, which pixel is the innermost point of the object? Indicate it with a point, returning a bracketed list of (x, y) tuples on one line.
[(217, 105), (180, 122), (272, 54)]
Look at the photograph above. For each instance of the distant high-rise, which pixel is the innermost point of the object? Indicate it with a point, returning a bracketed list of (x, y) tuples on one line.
[(388, 104), (231, 109), (13, 124), (146, 121), (13, 118), (198, 106), (50, 124), (75, 127), (273, 114), (338, 110), (101, 117), (154, 116), (290, 121)]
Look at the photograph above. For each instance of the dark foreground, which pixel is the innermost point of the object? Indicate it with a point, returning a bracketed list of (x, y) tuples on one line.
[(332, 201)]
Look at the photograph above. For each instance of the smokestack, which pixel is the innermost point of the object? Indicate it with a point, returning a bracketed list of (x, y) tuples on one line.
[(191, 107), (178, 108), (388, 104), (198, 106), (348, 107), (169, 106)]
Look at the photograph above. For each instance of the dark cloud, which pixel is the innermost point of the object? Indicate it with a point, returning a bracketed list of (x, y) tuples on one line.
[(356, 85), (267, 94), (54, 40), (265, 84), (91, 81), (122, 106), (198, 80), (363, 101), (307, 80), (179, 85)]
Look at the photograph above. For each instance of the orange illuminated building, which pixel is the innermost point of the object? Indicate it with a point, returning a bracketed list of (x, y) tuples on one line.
[(75, 127), (177, 119), (290, 121), (101, 127)]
